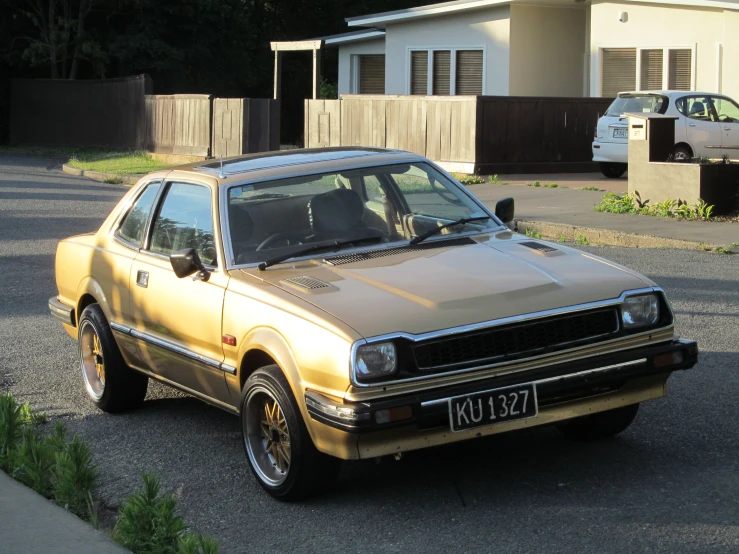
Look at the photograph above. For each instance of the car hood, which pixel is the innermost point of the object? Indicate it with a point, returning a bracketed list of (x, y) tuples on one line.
[(417, 291)]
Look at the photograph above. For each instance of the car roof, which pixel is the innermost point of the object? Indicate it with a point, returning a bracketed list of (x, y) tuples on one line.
[(288, 163), (672, 93)]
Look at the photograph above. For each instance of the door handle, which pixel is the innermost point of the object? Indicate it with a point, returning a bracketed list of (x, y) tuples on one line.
[(692, 124), (727, 128), (142, 278)]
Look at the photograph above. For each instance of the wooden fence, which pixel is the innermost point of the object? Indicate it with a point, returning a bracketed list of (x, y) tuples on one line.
[(245, 125), (179, 124), (483, 133), (59, 112)]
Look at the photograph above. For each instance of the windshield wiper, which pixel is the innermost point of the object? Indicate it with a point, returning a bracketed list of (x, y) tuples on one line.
[(333, 245), (437, 230)]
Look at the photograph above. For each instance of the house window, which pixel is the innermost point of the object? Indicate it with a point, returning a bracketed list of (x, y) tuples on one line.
[(371, 74), (627, 69), (446, 72)]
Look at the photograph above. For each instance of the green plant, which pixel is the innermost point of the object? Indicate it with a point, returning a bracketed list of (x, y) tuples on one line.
[(11, 430), (536, 184), (664, 208), (31, 417), (35, 461), (616, 204), (701, 160), (562, 238), (495, 181), (552, 185), (149, 523), (720, 250), (113, 180), (582, 240), (593, 188), (702, 210), (75, 477), (470, 179), (329, 90), (735, 244), (534, 234)]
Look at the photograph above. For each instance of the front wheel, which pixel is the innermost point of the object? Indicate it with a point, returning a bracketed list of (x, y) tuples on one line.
[(613, 170), (601, 425), (280, 451)]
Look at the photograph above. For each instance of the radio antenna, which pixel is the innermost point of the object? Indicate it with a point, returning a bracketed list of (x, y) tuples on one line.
[(222, 175)]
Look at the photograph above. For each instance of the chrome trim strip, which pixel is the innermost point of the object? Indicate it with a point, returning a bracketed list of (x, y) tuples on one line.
[(603, 369), (61, 311), (497, 323), (215, 364)]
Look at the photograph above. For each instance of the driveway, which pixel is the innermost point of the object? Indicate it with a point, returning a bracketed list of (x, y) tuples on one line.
[(668, 484)]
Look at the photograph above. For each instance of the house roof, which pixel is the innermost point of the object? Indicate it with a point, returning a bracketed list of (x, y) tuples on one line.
[(352, 36), (430, 10)]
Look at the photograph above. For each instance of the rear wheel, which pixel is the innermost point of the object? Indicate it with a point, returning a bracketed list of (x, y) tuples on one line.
[(110, 383), (613, 170), (278, 447), (682, 153), (600, 425)]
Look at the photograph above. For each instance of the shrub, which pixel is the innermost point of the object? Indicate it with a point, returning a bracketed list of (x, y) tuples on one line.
[(633, 204)]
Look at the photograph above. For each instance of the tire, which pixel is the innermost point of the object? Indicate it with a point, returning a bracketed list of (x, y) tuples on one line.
[(110, 383), (601, 425), (613, 170), (288, 466), (682, 153)]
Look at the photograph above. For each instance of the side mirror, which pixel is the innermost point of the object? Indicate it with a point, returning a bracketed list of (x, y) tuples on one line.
[(186, 262), (504, 209)]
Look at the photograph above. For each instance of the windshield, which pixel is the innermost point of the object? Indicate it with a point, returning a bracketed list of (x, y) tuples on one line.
[(392, 202), (637, 103)]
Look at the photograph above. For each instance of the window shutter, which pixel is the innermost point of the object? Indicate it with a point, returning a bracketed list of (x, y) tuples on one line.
[(619, 71), (651, 70), (680, 69), (469, 72), (442, 72), (419, 72), (372, 74)]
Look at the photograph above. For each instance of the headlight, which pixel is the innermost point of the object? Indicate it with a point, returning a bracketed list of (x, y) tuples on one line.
[(375, 360), (639, 311)]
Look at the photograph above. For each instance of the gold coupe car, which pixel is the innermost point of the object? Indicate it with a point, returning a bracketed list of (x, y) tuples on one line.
[(352, 303)]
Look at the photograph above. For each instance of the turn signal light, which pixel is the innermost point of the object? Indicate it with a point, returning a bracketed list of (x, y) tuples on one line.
[(394, 414), (668, 358)]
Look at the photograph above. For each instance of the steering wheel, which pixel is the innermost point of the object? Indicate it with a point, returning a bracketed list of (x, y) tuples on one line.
[(290, 237), (725, 118), (444, 192)]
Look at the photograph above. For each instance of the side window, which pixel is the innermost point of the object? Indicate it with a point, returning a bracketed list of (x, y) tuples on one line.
[(727, 110), (133, 225), (185, 220), (696, 107)]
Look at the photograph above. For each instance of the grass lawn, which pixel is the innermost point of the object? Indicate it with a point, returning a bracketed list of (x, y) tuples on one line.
[(120, 163), (107, 161)]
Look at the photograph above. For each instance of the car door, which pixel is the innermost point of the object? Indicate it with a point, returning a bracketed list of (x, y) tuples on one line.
[(177, 322), (727, 113), (701, 128)]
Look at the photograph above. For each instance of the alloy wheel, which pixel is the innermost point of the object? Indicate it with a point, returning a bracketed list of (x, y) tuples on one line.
[(267, 436), (92, 361)]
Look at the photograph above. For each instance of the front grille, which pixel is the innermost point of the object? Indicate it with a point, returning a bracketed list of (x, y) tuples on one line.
[(362, 256), (516, 341)]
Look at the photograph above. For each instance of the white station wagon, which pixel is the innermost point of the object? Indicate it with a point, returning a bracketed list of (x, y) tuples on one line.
[(707, 126)]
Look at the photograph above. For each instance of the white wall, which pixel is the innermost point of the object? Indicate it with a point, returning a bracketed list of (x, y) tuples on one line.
[(488, 28), (547, 51), (665, 26), (346, 69)]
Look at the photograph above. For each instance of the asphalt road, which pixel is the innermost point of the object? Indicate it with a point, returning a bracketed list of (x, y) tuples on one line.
[(668, 484)]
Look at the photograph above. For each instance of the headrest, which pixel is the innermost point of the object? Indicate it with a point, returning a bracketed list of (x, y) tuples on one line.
[(240, 223), (335, 211), (697, 107)]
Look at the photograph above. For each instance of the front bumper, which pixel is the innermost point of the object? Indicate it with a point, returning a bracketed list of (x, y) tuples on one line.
[(615, 152), (628, 377), (61, 311)]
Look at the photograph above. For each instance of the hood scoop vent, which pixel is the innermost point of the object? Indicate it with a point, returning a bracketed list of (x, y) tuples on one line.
[(306, 283), (543, 248), (362, 256)]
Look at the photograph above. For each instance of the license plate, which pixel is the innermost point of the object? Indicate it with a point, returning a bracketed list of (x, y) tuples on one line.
[(493, 406), (620, 133)]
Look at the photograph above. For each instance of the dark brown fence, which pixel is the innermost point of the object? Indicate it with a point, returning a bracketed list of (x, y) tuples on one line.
[(485, 134), (107, 113), (245, 125), (179, 124), (519, 133)]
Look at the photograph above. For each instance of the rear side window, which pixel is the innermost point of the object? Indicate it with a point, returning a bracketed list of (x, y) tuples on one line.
[(133, 225), (638, 103)]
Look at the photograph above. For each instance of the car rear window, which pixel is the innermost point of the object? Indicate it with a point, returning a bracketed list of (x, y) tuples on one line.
[(638, 103)]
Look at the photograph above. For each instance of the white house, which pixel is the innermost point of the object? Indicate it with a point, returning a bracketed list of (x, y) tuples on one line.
[(543, 48)]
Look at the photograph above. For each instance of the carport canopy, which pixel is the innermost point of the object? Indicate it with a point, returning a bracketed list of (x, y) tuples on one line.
[(300, 45)]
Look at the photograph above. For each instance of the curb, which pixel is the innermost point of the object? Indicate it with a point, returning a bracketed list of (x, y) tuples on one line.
[(608, 237), (112, 178)]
